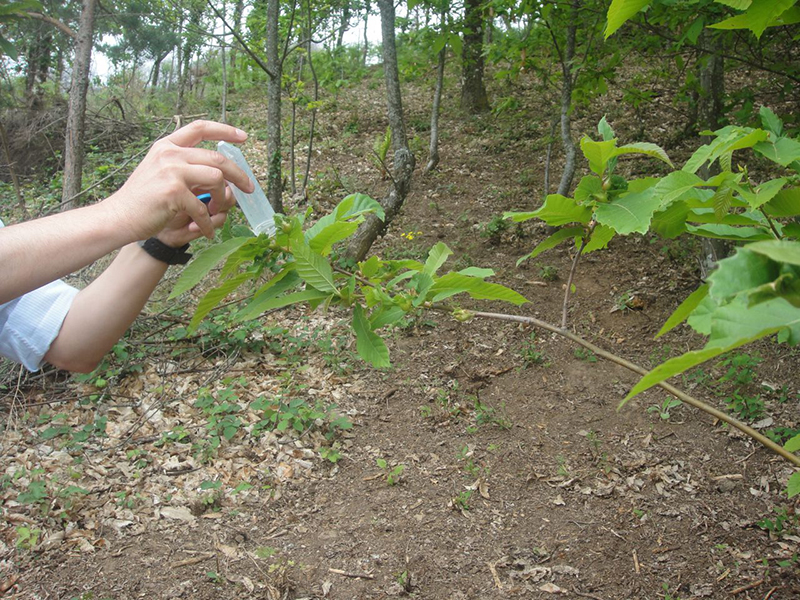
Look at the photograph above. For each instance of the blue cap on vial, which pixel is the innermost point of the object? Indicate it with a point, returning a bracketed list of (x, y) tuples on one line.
[(204, 198)]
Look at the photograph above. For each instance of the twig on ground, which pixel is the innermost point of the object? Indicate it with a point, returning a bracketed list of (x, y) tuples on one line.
[(352, 575), (748, 587)]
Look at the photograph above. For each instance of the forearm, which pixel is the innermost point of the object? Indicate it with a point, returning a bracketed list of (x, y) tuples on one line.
[(103, 311), (37, 252)]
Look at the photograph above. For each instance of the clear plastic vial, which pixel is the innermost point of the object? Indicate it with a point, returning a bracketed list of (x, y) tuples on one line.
[(255, 206)]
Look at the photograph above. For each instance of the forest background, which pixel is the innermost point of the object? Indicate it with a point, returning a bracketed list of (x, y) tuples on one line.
[(660, 135)]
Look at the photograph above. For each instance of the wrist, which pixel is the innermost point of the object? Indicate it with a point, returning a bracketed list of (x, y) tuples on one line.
[(167, 254)]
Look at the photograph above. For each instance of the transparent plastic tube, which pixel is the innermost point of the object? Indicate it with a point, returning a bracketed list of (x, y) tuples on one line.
[(255, 206)]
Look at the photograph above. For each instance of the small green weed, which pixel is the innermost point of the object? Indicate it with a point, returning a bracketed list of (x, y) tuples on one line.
[(783, 523), (585, 354), (494, 229), (27, 537), (747, 407), (530, 354), (665, 407), (461, 501), (548, 273), (391, 474)]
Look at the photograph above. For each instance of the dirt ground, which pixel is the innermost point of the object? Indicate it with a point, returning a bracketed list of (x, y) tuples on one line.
[(519, 479)]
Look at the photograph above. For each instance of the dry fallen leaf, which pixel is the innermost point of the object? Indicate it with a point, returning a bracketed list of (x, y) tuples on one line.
[(550, 588), (181, 514)]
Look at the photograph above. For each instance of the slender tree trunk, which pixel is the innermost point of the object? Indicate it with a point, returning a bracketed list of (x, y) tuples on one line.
[(404, 163), (365, 51), (73, 151), (292, 158), (473, 91), (433, 155), (710, 111), (344, 24), (549, 154), (238, 10), (313, 110), (224, 81), (566, 101), (274, 187), (12, 171)]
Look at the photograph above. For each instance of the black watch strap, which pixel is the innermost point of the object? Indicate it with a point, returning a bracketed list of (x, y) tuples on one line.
[(160, 251)]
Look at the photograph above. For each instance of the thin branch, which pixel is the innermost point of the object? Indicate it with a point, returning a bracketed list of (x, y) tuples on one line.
[(244, 45), (682, 396), (288, 34), (51, 21), (572, 275)]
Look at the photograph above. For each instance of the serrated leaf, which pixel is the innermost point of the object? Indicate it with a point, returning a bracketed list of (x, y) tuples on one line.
[(598, 153), (630, 213), (313, 268), (421, 282), (676, 186), (684, 309), (477, 272), (786, 203), (721, 200), (645, 148), (352, 206), (553, 241), (605, 130), (280, 283), (783, 151), (455, 283), (760, 15), (557, 210), (215, 295), (720, 231), (770, 121), (793, 485), (589, 188), (601, 236), (781, 251), (323, 241), (670, 223), (388, 315), (436, 258), (269, 303), (368, 343), (204, 262), (742, 271), (793, 444), (620, 11)]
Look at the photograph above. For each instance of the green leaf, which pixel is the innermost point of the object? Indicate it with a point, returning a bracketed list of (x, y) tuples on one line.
[(620, 11), (786, 203), (215, 295), (783, 151), (742, 271), (282, 282), (477, 272), (676, 186), (729, 232), (386, 316), (630, 213), (645, 148), (598, 153), (204, 262), (323, 241), (456, 283), (590, 188), (368, 343), (770, 121), (436, 258), (352, 206), (793, 444), (737, 4), (763, 193), (760, 15), (268, 303), (601, 236), (370, 267), (422, 282), (557, 210), (793, 485), (313, 268), (605, 130), (778, 250), (684, 309), (721, 200), (670, 223), (553, 241)]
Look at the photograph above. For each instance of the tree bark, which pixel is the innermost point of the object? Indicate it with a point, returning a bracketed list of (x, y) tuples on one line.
[(238, 10), (433, 154), (566, 101), (313, 110), (473, 91), (365, 51), (403, 167), (274, 187), (73, 151), (710, 110), (344, 24)]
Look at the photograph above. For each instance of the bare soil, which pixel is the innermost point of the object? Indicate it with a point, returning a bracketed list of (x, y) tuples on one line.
[(521, 478)]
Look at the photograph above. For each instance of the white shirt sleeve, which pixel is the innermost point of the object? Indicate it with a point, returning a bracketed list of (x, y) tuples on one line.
[(30, 323)]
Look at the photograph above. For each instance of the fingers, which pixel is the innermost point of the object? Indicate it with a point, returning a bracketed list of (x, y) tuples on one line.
[(197, 131), (217, 221), (211, 158), (199, 214)]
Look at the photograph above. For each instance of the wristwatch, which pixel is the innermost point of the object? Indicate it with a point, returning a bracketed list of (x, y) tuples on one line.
[(160, 251)]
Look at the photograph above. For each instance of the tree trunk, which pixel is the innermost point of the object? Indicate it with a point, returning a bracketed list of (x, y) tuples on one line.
[(73, 151), (274, 187), (473, 92), (433, 155), (566, 102), (365, 51), (313, 110), (710, 110), (238, 10), (404, 163), (344, 24)]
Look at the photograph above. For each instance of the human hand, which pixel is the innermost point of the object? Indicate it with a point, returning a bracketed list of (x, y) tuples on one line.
[(160, 196)]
